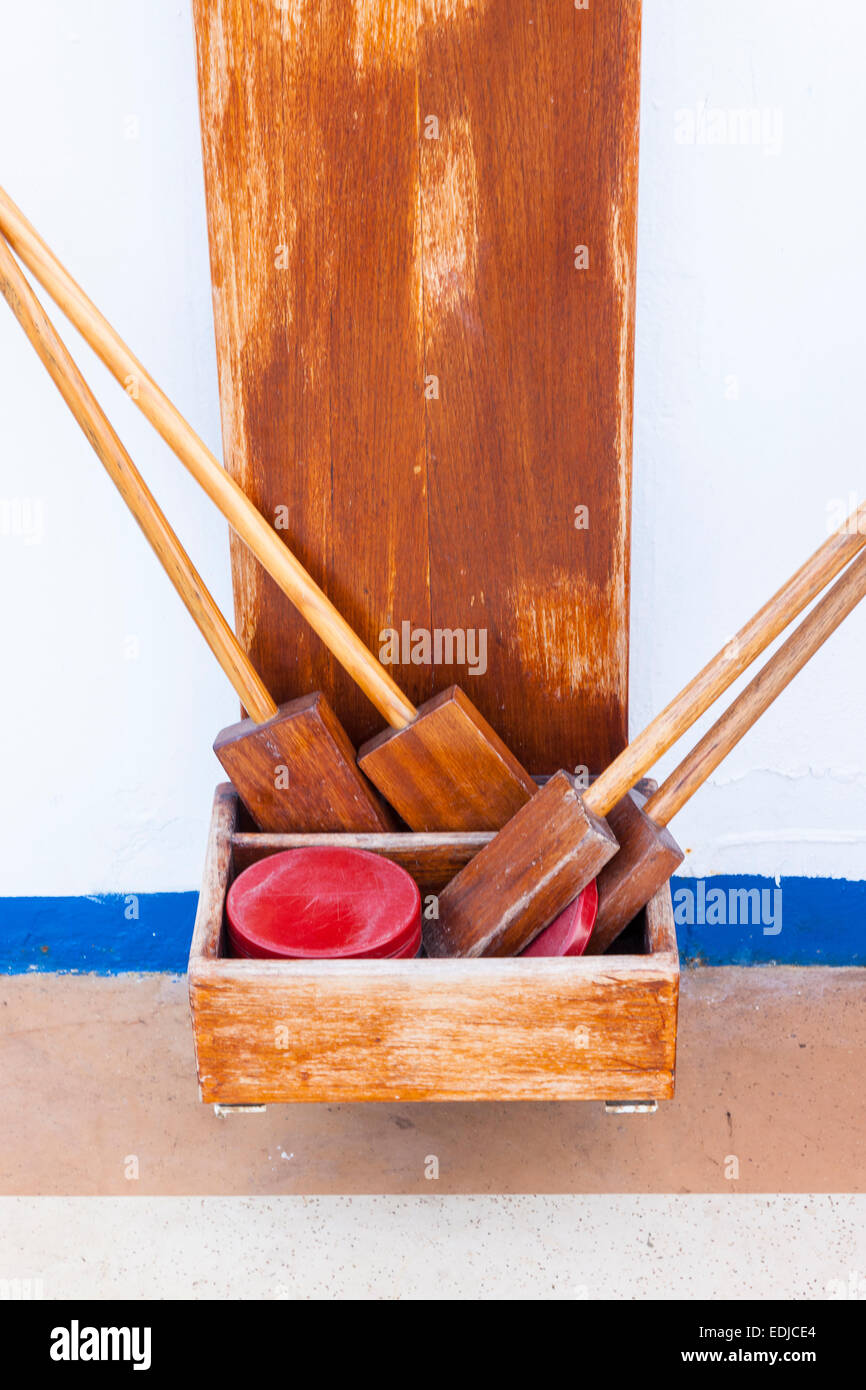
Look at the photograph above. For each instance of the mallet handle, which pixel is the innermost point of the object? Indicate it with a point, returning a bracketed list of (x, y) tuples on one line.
[(132, 488), (221, 488), (715, 678), (748, 707)]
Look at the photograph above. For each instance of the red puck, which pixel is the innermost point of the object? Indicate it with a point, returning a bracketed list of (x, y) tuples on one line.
[(409, 950), (568, 933), (324, 903)]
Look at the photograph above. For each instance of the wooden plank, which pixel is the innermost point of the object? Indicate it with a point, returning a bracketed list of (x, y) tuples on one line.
[(661, 936), (408, 258), (434, 1030), (215, 881), (309, 132), (432, 860), (537, 111)]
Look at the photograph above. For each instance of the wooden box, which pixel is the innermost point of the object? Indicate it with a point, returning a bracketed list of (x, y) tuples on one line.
[(596, 1028)]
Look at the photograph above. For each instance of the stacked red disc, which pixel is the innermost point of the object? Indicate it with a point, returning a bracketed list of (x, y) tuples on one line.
[(569, 934), (324, 904)]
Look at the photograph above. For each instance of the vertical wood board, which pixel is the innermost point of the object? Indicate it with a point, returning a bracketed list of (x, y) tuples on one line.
[(396, 192)]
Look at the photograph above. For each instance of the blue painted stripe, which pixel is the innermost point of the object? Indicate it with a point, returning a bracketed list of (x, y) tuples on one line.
[(803, 921), (106, 934), (823, 922)]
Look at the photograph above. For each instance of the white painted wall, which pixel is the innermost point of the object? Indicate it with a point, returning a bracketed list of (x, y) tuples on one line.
[(751, 284)]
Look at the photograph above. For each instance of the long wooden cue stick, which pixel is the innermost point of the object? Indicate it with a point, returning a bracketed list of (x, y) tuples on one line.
[(648, 854), (222, 489), (704, 689), (132, 488), (759, 694), (660, 735)]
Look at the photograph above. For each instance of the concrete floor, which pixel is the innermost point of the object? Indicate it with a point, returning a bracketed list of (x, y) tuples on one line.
[(435, 1247), (98, 1094)]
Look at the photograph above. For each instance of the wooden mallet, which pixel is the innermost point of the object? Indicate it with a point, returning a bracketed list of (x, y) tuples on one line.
[(520, 881), (293, 766), (442, 766), (648, 854)]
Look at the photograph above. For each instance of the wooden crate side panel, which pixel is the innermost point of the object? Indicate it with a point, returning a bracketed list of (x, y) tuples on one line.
[(215, 878), (660, 929), (661, 945), (471, 1031), (432, 860)]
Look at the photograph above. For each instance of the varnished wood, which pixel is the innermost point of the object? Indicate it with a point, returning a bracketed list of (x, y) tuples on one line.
[(301, 745), (660, 935), (479, 768), (207, 932), (426, 1030), (704, 689), (120, 468), (760, 693), (428, 384), (530, 871), (535, 156), (298, 771), (473, 903), (434, 1030), (432, 860), (311, 174), (448, 769), (647, 857), (648, 853)]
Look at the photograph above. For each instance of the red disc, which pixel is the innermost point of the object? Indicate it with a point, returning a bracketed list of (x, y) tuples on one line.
[(568, 933), (323, 903), (409, 951)]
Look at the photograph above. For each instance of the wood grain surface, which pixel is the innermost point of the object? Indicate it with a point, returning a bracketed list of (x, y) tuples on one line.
[(395, 194), (536, 155), (647, 858), (329, 1031), (311, 171), (432, 860), (434, 1030), (515, 886), (298, 771), (448, 770)]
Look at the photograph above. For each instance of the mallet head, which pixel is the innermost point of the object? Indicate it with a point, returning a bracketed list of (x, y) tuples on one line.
[(297, 772), (525, 876), (648, 856), (448, 769)]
